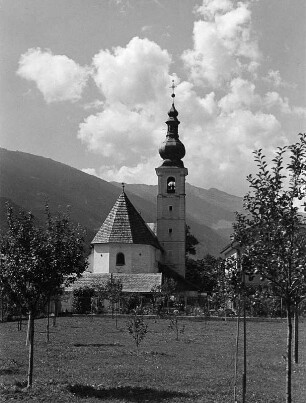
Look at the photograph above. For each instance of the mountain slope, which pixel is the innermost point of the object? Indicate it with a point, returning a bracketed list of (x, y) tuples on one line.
[(212, 209), (28, 181)]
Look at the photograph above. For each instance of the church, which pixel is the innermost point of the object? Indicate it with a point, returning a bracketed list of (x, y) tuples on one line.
[(143, 254)]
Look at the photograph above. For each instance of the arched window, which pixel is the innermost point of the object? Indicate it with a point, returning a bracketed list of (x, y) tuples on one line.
[(120, 259), (171, 185)]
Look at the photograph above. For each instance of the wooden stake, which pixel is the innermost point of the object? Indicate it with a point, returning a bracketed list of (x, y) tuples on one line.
[(296, 333), (244, 376), (236, 354)]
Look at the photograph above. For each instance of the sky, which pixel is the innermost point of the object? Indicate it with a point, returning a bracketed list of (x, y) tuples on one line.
[(87, 83)]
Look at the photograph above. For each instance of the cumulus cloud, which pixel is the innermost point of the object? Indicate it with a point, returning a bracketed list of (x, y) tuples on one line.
[(120, 134), (136, 74), (274, 100), (90, 171), (57, 77), (219, 136), (128, 174), (220, 127), (220, 153), (97, 104), (210, 7), (134, 81), (219, 131), (274, 78), (223, 43), (242, 95)]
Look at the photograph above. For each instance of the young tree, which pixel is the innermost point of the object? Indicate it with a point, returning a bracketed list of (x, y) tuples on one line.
[(227, 285), (154, 295), (39, 260), (175, 326), (168, 288), (113, 292), (271, 232), (137, 327)]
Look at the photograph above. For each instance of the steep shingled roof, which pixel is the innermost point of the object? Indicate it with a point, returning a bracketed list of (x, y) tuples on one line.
[(125, 225), (130, 282)]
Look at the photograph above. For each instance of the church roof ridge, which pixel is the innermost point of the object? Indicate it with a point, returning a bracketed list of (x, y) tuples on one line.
[(124, 224)]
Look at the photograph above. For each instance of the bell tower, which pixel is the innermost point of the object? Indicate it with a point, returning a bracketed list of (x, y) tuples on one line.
[(171, 209)]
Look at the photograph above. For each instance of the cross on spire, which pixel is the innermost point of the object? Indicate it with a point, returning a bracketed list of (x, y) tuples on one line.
[(173, 86)]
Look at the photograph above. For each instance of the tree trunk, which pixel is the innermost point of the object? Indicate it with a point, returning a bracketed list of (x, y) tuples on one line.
[(296, 333), (2, 309), (31, 349), (289, 354), (55, 312), (244, 375), (19, 321), (236, 353), (48, 320), (28, 331)]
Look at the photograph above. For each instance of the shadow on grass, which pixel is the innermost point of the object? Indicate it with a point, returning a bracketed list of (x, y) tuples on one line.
[(98, 345), (9, 371), (155, 353), (128, 393), (9, 367), (12, 390)]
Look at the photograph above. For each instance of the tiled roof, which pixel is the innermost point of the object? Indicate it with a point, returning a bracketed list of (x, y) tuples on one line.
[(130, 282), (125, 225)]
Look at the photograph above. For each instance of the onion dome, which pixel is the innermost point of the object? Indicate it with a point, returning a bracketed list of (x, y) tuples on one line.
[(172, 150)]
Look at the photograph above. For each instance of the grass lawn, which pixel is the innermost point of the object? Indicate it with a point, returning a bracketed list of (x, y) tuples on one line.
[(89, 360)]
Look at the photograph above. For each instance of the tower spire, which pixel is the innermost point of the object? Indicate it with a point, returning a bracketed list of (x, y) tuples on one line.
[(172, 149), (171, 209)]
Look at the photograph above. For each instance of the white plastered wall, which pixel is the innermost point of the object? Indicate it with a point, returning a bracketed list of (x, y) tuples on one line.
[(138, 258)]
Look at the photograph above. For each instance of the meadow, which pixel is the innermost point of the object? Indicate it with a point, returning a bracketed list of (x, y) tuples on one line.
[(88, 359)]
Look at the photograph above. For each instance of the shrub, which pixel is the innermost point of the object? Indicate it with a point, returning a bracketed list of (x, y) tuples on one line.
[(82, 299), (130, 302)]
